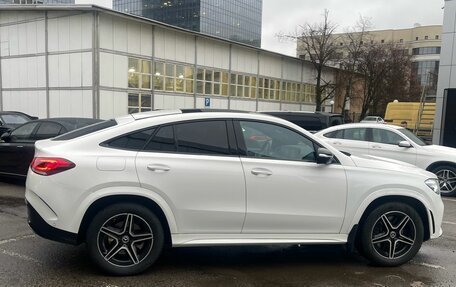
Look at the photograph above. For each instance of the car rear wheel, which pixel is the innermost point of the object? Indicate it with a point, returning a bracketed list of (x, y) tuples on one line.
[(447, 179), (125, 239), (392, 234)]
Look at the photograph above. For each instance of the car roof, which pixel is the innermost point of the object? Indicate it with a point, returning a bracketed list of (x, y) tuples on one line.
[(359, 125), (70, 123)]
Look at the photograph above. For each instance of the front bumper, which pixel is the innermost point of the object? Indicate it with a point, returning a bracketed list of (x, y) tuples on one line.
[(40, 227)]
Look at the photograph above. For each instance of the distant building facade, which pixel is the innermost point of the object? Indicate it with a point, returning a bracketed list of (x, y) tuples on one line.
[(235, 20), (422, 42)]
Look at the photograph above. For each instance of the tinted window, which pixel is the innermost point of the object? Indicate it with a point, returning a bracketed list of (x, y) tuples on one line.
[(133, 141), (355, 134), (47, 130), (23, 132), (205, 137), (335, 121), (163, 140), (339, 134), (265, 140), (86, 130), (386, 137)]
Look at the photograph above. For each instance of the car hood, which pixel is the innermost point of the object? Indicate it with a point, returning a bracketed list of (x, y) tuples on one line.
[(381, 163)]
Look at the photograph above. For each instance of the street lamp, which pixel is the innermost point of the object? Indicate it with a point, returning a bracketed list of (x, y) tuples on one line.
[(332, 106)]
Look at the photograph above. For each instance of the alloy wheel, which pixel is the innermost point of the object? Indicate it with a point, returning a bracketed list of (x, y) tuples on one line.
[(125, 240), (447, 179), (393, 235)]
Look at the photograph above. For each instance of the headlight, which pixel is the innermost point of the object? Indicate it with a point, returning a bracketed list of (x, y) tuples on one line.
[(433, 184)]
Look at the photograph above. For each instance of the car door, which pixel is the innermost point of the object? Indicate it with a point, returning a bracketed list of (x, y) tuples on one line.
[(13, 154), (385, 143), (351, 140), (195, 167), (287, 191)]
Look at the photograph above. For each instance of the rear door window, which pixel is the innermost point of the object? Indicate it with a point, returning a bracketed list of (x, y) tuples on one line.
[(339, 134), (203, 137), (23, 133), (357, 134), (163, 140)]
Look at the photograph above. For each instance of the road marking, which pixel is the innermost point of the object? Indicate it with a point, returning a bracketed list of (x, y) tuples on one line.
[(447, 199), (16, 239), (449, 222), (429, 265), (20, 256)]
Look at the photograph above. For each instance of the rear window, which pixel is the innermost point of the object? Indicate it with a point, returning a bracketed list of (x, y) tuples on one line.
[(86, 130)]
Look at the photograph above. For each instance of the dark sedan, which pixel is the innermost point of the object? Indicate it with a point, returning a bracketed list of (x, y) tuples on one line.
[(11, 120), (17, 147)]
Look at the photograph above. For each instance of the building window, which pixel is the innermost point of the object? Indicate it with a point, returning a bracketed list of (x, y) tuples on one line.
[(401, 41), (417, 38), (269, 89), (138, 103), (426, 38), (383, 41), (139, 73), (173, 77), (243, 86), (211, 82), (437, 37), (426, 51)]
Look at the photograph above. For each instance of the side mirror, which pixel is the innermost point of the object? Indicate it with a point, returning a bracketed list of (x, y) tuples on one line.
[(405, 144), (324, 156), (6, 137)]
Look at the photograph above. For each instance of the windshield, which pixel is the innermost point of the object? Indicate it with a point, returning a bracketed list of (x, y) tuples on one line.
[(412, 136)]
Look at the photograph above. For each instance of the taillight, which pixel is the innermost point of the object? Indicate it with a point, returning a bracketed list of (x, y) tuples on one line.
[(50, 165)]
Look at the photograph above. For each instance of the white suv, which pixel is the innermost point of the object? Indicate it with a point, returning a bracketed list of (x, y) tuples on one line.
[(131, 186)]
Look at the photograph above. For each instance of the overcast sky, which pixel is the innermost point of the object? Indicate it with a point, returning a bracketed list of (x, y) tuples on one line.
[(286, 15)]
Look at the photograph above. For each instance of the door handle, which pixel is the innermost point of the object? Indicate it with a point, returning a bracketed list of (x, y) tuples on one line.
[(337, 143), (20, 146), (261, 172), (376, 146), (158, 168)]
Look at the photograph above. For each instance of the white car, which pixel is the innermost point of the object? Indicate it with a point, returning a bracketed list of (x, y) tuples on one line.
[(373, 119), (396, 143), (130, 186)]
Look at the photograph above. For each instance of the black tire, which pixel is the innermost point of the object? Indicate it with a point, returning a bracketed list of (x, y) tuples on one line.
[(376, 241), (119, 250), (445, 173)]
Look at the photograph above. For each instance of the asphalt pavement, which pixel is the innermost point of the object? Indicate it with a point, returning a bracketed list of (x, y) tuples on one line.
[(28, 260)]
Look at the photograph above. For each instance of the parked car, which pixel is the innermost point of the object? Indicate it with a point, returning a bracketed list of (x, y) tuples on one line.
[(396, 143), (373, 119), (311, 121), (17, 147), (11, 120), (130, 186)]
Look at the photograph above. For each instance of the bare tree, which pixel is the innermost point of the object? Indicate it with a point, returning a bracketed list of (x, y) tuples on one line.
[(387, 71), (354, 42), (320, 46)]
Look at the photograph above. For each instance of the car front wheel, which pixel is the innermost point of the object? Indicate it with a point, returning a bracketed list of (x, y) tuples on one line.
[(447, 179), (125, 239), (392, 234)]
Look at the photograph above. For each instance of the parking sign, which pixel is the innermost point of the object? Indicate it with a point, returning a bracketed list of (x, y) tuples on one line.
[(207, 102)]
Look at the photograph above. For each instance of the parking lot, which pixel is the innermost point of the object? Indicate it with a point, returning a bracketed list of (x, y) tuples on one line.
[(28, 260)]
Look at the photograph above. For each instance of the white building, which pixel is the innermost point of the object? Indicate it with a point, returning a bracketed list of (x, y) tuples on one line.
[(90, 61)]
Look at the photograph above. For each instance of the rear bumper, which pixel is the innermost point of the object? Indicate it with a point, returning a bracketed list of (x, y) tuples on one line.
[(40, 227)]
